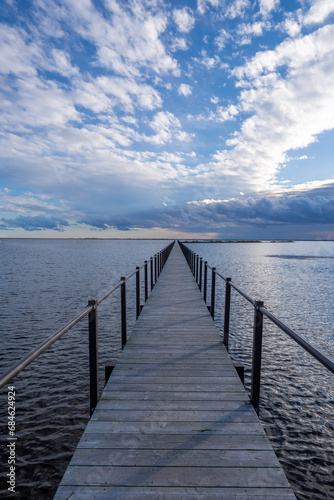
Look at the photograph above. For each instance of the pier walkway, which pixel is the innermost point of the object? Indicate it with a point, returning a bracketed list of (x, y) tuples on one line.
[(174, 420)]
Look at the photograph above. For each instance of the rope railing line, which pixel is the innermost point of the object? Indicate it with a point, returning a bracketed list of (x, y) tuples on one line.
[(259, 311), (92, 311)]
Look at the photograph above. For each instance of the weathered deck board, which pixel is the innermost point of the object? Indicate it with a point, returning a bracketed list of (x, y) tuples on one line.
[(174, 420)]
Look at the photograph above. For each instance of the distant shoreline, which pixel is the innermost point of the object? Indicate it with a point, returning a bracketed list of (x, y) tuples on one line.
[(165, 239), (243, 241)]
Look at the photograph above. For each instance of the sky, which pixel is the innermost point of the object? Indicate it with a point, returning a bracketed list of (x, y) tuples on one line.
[(180, 119)]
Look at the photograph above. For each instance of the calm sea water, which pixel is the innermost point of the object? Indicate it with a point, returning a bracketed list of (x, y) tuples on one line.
[(44, 283), (296, 282)]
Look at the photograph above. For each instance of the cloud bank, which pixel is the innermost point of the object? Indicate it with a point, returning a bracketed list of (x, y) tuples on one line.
[(133, 115)]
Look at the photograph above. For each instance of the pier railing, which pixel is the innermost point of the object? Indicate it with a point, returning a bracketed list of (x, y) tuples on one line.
[(151, 270), (200, 271)]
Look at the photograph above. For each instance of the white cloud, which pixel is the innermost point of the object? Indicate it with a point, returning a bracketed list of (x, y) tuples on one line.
[(246, 31), (208, 62), (221, 39), (319, 11), (128, 41), (202, 4), (184, 19), (220, 115), (291, 53), (62, 64), (286, 114), (38, 103), (32, 204), (237, 8), (292, 23), (167, 127), (17, 56), (178, 44), (184, 89), (266, 6), (225, 114), (77, 116)]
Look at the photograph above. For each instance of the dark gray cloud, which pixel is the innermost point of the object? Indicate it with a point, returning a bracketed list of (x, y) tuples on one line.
[(34, 223), (261, 212), (281, 210), (213, 216)]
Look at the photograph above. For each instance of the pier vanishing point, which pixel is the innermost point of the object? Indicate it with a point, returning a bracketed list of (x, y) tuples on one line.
[(174, 420)]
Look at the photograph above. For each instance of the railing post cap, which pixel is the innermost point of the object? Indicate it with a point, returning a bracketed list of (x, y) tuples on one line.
[(228, 279), (92, 302), (259, 303)]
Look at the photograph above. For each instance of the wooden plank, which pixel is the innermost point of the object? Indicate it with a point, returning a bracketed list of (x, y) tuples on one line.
[(175, 395), (216, 416), (152, 427), (181, 387), (175, 458), (131, 405), (194, 441), (229, 379), (176, 493), (174, 420), (231, 477)]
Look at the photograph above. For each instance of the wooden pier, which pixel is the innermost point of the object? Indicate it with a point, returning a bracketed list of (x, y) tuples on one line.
[(174, 420)]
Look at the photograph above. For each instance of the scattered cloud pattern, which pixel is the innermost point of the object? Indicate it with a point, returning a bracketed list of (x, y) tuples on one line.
[(216, 116)]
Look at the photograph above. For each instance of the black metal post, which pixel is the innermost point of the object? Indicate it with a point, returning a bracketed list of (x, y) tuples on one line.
[(200, 273), (155, 268), (213, 292), (146, 281), (205, 280), (197, 266), (151, 268), (257, 354), (194, 260), (137, 292), (93, 356), (123, 311), (227, 311)]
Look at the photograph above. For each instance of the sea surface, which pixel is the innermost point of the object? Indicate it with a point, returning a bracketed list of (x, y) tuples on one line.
[(45, 283)]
